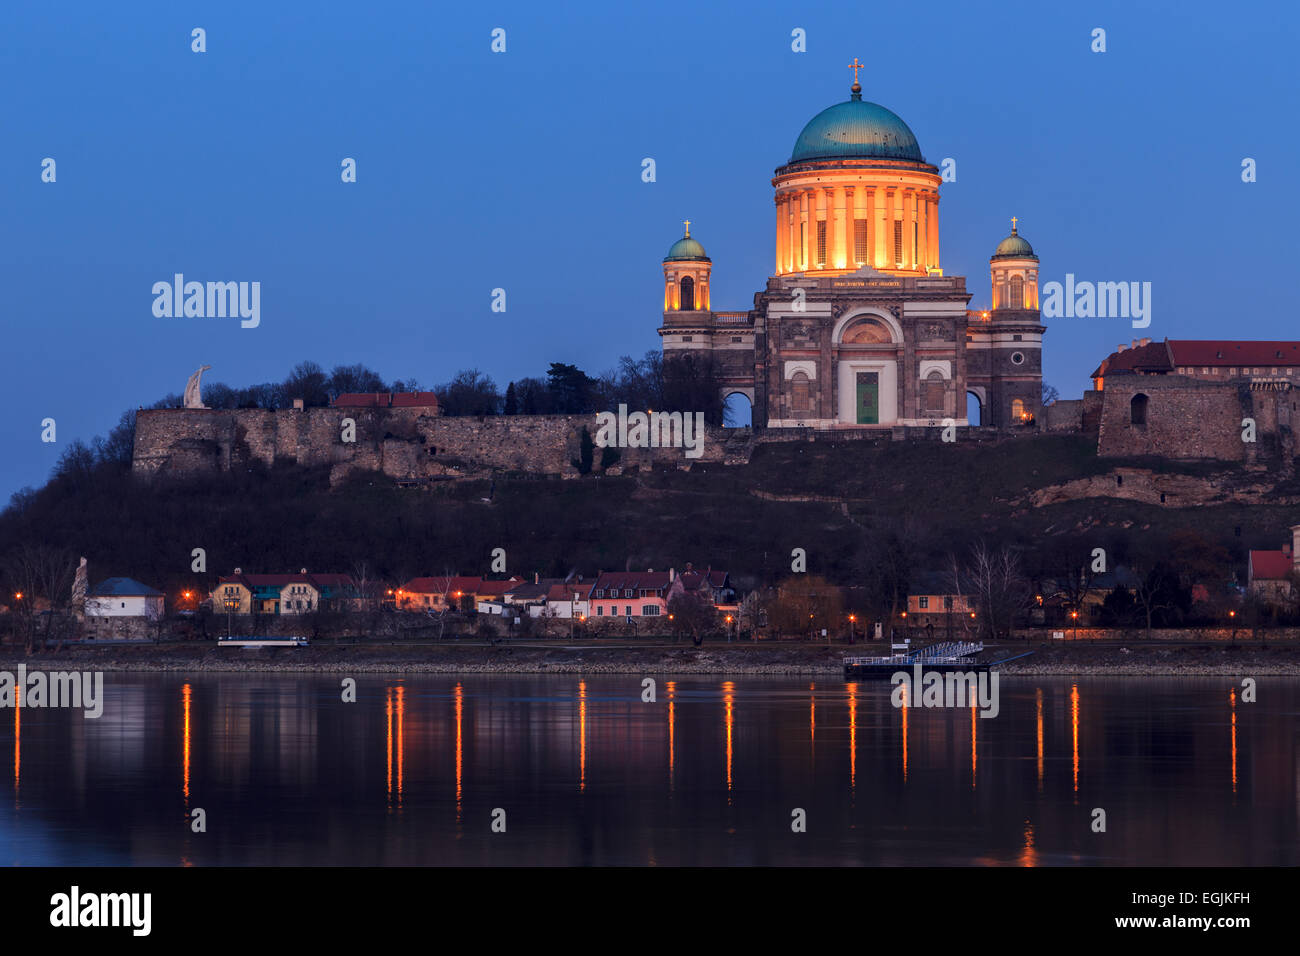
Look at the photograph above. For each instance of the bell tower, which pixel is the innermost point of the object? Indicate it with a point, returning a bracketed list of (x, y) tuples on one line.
[(686, 276)]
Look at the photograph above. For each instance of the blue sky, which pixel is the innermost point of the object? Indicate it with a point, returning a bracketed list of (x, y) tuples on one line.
[(522, 171)]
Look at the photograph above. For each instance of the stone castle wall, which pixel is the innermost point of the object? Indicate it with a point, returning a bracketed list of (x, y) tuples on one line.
[(1191, 419), (403, 443)]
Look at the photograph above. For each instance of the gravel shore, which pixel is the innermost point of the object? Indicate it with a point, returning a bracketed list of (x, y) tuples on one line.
[(790, 659)]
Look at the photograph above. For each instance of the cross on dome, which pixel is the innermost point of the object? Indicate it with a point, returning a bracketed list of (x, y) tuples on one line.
[(856, 88)]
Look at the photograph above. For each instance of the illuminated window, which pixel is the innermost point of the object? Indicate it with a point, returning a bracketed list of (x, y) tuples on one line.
[(1017, 409), (688, 294), (860, 239), (1017, 298), (821, 241), (898, 242)]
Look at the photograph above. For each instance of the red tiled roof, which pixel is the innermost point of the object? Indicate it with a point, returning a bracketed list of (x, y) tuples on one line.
[(1269, 565), (317, 581), (1207, 352), (497, 588), (1151, 357), (649, 580), (565, 592), (444, 584), (415, 400), (363, 400), (692, 580)]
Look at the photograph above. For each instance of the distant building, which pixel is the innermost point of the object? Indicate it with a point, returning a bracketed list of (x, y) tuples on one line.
[(714, 587), (427, 401), (1270, 574), (283, 594), (933, 598), (569, 600), (451, 592), (630, 594), (124, 597)]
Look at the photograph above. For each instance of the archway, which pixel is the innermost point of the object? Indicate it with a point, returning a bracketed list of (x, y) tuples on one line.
[(737, 410), (974, 409), (1137, 409)]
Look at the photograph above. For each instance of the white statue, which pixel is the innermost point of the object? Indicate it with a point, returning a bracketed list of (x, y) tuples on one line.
[(192, 396)]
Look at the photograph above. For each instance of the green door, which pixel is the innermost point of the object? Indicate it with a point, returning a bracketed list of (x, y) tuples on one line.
[(868, 398)]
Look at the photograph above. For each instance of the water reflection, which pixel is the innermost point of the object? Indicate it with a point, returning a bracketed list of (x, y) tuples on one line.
[(296, 776)]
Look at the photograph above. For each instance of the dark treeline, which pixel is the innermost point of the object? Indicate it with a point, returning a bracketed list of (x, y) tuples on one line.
[(684, 384)]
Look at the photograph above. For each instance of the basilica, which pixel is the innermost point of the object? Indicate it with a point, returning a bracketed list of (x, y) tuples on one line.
[(858, 327)]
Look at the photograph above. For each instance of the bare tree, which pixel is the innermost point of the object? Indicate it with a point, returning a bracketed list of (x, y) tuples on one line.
[(40, 576), (1000, 588)]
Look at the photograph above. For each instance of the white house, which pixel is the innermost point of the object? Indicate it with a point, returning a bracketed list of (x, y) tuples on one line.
[(124, 597), (568, 600)]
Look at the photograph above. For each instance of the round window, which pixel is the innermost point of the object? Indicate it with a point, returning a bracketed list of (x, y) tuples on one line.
[(1017, 358)]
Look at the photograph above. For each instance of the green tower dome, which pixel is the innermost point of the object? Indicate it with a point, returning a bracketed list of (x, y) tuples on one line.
[(1014, 246), (687, 248)]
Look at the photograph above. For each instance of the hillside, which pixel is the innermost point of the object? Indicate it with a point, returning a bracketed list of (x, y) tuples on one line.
[(837, 501)]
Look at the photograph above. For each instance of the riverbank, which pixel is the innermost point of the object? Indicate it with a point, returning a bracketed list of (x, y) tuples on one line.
[(785, 658)]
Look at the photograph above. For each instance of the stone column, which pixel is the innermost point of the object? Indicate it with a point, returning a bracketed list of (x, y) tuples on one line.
[(932, 228), (850, 217), (782, 233), (835, 255)]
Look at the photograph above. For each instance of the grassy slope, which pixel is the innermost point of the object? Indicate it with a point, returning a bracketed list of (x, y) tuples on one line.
[(939, 497)]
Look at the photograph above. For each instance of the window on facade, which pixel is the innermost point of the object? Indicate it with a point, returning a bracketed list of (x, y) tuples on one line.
[(821, 241), (1137, 409), (803, 241), (1017, 286), (627, 609), (860, 240), (915, 243), (934, 392), (600, 610), (650, 610), (1017, 409), (688, 294), (800, 395), (898, 242), (947, 602), (924, 602)]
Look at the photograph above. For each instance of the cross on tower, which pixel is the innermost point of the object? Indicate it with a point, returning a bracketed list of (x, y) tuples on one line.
[(1013, 223), (855, 66), (687, 224)]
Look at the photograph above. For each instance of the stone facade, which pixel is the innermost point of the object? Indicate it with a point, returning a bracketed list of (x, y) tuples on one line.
[(1181, 417), (402, 443)]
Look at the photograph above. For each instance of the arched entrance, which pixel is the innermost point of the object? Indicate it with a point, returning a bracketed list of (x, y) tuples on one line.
[(866, 354), (974, 409), (737, 410)]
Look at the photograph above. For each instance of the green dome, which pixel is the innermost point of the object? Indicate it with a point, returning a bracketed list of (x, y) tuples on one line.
[(686, 248), (1014, 246), (856, 130)]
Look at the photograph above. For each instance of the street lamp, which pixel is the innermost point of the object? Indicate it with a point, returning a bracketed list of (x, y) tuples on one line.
[(728, 628), (1074, 616), (852, 619), (232, 604)]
